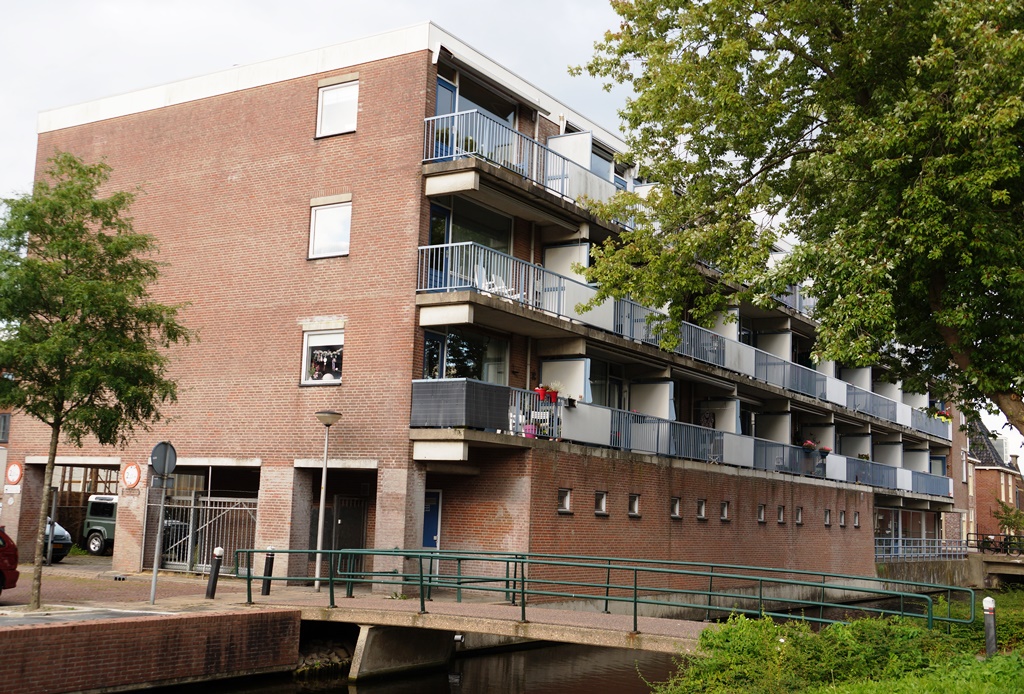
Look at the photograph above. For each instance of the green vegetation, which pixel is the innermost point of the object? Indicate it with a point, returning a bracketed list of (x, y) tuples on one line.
[(84, 347), (882, 136), (868, 656)]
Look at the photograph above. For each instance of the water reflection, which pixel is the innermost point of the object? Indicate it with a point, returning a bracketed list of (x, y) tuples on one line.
[(565, 669)]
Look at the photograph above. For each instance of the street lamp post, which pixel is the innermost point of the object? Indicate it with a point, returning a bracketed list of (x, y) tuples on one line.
[(327, 418)]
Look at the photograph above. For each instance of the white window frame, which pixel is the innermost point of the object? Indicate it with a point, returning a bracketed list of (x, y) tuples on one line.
[(799, 520), (342, 108), (564, 500), (842, 518), (702, 509), (318, 338), (856, 519), (320, 212), (782, 514), (634, 504), (675, 507), (828, 517), (724, 511), (760, 513), (600, 503)]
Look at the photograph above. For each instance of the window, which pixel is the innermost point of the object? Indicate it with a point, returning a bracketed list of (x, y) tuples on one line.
[(565, 501), (336, 108), (799, 515), (842, 519), (963, 466), (702, 508), (760, 513), (329, 229), (828, 517), (5, 427), (856, 519), (322, 361), (600, 503), (782, 514), (465, 354), (634, 504), (725, 511), (674, 508)]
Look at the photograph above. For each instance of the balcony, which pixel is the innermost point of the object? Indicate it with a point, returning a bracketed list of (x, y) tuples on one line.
[(472, 267), (472, 134), (465, 403)]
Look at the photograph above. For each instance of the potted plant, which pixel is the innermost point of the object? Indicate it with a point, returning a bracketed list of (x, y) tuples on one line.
[(809, 445), (553, 389), (541, 390), (824, 451), (863, 456)]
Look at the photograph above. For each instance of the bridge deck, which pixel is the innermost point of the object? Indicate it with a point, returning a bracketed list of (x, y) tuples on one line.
[(563, 625)]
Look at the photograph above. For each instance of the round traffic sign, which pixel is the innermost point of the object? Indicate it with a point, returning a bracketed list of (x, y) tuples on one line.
[(163, 458)]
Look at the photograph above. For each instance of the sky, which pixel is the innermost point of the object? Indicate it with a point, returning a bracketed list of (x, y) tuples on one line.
[(56, 53)]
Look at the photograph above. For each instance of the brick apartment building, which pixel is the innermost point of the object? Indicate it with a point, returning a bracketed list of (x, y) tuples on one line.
[(996, 479), (406, 203)]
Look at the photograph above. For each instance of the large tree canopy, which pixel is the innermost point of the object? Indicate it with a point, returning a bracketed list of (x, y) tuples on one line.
[(885, 137), (82, 339)]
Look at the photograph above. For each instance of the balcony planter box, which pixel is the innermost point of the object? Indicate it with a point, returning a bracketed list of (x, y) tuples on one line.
[(460, 403)]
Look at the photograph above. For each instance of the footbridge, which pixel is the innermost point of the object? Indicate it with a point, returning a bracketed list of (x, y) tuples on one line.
[(398, 595)]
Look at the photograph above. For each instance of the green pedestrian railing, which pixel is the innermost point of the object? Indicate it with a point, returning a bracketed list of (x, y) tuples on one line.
[(704, 590)]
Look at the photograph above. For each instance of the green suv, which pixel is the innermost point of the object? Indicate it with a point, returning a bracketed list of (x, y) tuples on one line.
[(100, 519)]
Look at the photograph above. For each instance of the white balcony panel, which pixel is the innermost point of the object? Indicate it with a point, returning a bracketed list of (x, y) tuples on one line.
[(602, 316), (740, 358), (738, 450), (446, 315), (904, 480), (903, 414), (456, 182), (440, 450), (835, 467), (588, 424), (835, 391)]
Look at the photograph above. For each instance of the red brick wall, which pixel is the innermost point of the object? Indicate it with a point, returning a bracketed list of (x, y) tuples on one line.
[(226, 187), (512, 506), (119, 653)]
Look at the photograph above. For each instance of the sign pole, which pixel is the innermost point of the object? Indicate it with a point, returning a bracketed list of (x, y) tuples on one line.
[(159, 540), (163, 459)]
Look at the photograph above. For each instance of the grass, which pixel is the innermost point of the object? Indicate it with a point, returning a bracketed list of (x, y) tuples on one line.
[(868, 656)]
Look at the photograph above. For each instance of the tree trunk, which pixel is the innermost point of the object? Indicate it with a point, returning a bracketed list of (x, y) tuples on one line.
[(1010, 404), (44, 510)]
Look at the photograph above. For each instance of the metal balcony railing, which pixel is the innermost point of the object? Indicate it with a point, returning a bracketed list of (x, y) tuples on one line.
[(871, 473), (918, 548), (925, 483), (782, 457), (471, 266), (860, 400), (473, 134)]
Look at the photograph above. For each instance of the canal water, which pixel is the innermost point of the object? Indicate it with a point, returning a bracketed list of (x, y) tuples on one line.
[(561, 669)]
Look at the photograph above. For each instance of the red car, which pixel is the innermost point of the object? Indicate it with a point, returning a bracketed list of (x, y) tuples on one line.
[(8, 561)]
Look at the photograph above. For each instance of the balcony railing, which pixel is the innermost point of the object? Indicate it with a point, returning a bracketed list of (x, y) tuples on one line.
[(470, 266), (473, 134), (871, 473), (447, 403), (918, 548)]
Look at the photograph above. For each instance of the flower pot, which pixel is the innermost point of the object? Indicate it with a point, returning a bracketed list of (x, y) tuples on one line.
[(541, 392), (530, 431), (553, 395)]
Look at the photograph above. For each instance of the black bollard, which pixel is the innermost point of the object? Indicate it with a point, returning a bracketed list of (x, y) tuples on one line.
[(989, 608), (211, 585), (268, 570)]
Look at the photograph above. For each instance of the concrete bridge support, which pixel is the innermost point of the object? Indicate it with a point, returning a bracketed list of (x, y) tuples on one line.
[(386, 650)]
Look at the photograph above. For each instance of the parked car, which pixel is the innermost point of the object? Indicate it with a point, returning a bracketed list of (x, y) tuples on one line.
[(60, 538), (100, 521), (8, 561)]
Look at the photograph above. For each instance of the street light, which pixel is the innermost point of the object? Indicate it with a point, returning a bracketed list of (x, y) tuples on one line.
[(327, 418)]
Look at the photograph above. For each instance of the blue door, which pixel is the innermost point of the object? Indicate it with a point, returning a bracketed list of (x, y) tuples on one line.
[(431, 518)]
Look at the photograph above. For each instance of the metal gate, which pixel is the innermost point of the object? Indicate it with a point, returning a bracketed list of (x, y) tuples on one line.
[(195, 525)]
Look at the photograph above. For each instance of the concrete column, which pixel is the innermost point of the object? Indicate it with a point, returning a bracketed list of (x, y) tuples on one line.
[(399, 523), (389, 650)]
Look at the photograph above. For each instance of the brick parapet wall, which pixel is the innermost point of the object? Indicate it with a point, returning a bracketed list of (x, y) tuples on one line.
[(126, 654)]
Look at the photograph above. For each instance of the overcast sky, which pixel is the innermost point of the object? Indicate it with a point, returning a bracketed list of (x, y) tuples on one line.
[(56, 53)]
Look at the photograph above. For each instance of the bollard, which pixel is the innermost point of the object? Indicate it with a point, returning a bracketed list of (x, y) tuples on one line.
[(268, 570), (211, 585), (989, 607)]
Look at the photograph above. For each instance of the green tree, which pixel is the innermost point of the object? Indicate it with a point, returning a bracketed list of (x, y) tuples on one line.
[(882, 138), (82, 340), (1011, 519)]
